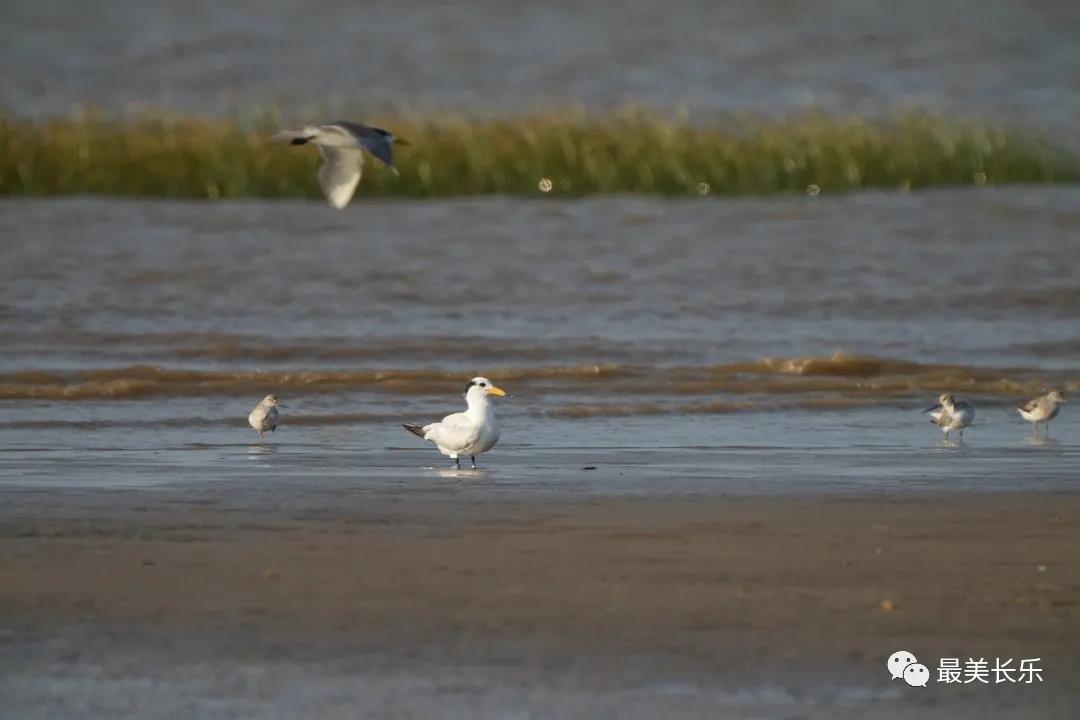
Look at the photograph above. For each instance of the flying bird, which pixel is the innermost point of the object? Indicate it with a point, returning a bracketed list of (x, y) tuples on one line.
[(265, 416), (465, 433), (1042, 409), (951, 414), (342, 145)]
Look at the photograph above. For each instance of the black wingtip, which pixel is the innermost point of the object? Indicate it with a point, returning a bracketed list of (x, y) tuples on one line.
[(298, 141), (417, 430)]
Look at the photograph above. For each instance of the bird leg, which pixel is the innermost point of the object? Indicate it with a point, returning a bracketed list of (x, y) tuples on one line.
[(457, 463), (473, 458)]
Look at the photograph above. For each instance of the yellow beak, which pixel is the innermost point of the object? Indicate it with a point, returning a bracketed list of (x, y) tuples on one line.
[(496, 391)]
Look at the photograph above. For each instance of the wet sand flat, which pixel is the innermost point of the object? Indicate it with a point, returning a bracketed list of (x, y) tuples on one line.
[(484, 603)]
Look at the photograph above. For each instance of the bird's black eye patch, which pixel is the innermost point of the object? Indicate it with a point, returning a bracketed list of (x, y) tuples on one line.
[(471, 383), (483, 384)]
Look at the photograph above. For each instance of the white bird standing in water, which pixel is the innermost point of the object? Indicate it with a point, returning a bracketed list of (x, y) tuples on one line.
[(466, 433), (265, 416), (1042, 409), (951, 414), (342, 145)]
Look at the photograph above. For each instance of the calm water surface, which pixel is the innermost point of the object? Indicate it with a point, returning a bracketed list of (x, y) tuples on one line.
[(1006, 58)]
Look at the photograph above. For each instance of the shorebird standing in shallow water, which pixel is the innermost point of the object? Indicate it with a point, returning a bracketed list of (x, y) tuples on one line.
[(1042, 409), (951, 414), (265, 416), (466, 433), (342, 145)]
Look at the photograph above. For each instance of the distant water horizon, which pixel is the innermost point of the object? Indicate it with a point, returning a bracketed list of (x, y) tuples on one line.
[(1001, 59)]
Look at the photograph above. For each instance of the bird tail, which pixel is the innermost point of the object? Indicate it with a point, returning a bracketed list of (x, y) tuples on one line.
[(417, 430)]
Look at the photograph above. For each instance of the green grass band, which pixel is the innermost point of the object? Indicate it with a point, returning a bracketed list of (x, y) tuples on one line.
[(182, 157)]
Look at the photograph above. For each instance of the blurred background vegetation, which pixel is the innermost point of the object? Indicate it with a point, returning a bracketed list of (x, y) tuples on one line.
[(158, 154)]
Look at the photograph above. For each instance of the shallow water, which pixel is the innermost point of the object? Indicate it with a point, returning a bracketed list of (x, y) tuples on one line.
[(1002, 58), (743, 345), (853, 451)]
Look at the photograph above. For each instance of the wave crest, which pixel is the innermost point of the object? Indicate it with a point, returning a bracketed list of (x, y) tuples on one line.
[(838, 376)]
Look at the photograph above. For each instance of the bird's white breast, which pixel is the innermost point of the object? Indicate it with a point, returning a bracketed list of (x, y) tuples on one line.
[(263, 419), (1040, 413)]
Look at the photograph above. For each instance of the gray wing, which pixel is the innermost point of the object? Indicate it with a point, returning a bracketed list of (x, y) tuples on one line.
[(381, 147), (375, 140), (340, 173), (964, 411), (1030, 405)]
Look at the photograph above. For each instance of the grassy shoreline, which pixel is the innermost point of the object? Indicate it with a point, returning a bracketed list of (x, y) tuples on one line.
[(164, 155)]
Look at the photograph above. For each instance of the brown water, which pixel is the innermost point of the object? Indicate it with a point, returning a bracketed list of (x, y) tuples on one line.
[(710, 340), (1009, 59)]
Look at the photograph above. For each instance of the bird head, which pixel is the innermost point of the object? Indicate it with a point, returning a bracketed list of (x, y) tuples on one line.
[(481, 387), (945, 400)]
